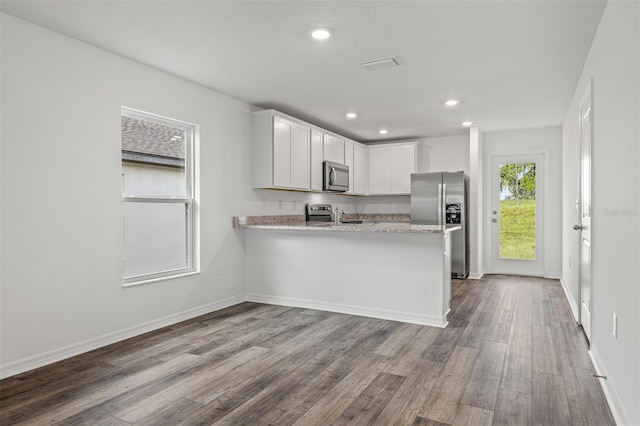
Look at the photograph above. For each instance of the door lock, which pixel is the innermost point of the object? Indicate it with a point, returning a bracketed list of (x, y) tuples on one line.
[(578, 227), (494, 220)]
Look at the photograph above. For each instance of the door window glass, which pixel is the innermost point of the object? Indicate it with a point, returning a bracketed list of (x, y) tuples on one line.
[(518, 211)]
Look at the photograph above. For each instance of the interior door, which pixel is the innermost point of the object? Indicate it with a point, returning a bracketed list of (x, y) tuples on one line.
[(584, 227), (516, 219)]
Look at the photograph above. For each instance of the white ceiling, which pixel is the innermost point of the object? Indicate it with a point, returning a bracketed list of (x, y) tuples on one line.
[(512, 64)]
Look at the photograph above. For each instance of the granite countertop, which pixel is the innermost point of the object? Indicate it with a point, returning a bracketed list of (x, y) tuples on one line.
[(371, 223)]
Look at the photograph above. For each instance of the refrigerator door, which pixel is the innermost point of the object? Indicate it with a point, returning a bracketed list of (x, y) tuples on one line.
[(456, 198), (455, 187), (427, 204)]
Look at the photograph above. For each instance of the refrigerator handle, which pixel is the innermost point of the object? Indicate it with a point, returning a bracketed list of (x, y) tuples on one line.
[(441, 189)]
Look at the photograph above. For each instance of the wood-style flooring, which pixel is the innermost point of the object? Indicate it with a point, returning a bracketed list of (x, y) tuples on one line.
[(511, 355)]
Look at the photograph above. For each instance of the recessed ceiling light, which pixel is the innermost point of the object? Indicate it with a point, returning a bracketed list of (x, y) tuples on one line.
[(321, 34), (383, 131), (452, 102), (467, 123), (351, 115)]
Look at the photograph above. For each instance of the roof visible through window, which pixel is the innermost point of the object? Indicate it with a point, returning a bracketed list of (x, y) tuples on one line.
[(152, 143)]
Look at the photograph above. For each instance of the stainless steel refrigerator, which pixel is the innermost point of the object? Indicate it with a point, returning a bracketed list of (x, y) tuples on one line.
[(442, 198)]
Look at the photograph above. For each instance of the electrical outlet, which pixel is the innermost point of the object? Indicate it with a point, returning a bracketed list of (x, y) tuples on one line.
[(279, 204), (220, 272), (615, 325), (294, 205), (264, 204), (569, 261)]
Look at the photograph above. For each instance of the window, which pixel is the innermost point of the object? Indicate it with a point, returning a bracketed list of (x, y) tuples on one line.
[(158, 182)]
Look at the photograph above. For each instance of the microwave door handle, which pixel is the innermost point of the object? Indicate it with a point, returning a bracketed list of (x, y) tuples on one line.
[(332, 173)]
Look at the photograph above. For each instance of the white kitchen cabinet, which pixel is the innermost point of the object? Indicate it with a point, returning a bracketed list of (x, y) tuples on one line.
[(348, 160), (390, 168), (280, 152), (360, 171), (317, 157), (403, 163), (333, 149), (379, 170)]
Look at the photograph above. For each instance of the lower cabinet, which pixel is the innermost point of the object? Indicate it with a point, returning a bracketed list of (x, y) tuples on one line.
[(390, 168)]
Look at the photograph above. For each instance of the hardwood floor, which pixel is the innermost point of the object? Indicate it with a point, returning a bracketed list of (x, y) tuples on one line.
[(511, 355)]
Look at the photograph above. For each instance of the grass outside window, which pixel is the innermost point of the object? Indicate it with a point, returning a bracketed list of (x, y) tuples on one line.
[(518, 229)]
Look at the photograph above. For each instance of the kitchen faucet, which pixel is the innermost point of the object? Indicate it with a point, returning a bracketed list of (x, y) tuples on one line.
[(337, 215)]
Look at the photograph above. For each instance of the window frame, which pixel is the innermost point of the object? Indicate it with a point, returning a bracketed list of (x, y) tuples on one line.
[(191, 132)]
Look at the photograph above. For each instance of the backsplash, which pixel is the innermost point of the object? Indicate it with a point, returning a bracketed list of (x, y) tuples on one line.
[(267, 202)]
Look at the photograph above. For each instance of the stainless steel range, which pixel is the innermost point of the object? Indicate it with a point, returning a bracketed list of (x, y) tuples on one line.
[(317, 212)]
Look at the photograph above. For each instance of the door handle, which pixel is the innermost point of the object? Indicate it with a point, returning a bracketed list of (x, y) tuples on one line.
[(440, 206), (494, 220), (578, 227)]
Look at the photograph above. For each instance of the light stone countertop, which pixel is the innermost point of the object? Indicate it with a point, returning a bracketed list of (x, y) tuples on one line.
[(294, 223)]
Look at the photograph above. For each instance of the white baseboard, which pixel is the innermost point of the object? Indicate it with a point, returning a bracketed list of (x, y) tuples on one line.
[(475, 275), (431, 320), (571, 300), (617, 409), (554, 275), (55, 355)]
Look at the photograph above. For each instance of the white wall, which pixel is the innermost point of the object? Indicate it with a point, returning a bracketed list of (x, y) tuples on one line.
[(476, 197), (538, 140), (61, 285), (444, 154), (613, 62), (61, 288)]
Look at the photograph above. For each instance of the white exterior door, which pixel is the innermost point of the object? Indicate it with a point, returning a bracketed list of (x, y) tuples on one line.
[(584, 227), (516, 219)]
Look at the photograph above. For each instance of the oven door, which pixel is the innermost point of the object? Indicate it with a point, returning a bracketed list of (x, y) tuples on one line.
[(336, 177)]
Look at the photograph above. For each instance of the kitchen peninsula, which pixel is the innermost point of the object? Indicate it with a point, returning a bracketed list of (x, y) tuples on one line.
[(385, 269)]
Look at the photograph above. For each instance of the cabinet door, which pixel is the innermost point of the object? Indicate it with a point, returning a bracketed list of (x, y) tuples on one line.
[(333, 149), (348, 160), (360, 170), (282, 138), (316, 160), (300, 156), (403, 163), (380, 170)]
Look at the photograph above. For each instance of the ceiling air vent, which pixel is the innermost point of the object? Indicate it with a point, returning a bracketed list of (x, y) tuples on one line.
[(381, 63)]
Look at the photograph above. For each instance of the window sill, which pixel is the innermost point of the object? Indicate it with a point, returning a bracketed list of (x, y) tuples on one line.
[(157, 279)]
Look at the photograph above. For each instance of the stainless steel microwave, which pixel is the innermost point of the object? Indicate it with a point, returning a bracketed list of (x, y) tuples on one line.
[(335, 177)]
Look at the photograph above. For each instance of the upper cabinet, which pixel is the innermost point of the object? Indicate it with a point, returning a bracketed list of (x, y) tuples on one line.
[(287, 153), (348, 160), (360, 171), (317, 157), (280, 151), (390, 168), (333, 149), (356, 157)]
